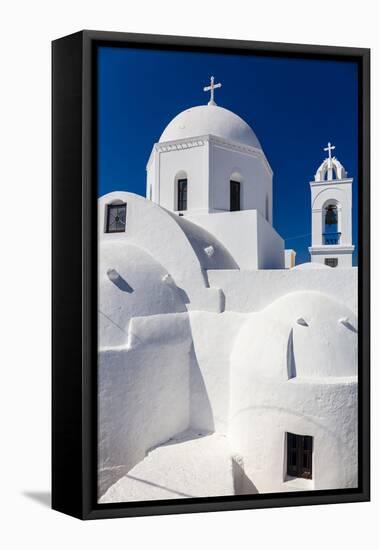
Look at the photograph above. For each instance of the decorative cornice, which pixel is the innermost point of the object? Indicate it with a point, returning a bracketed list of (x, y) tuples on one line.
[(199, 141), (332, 249), (176, 145), (330, 183), (240, 147), (180, 144)]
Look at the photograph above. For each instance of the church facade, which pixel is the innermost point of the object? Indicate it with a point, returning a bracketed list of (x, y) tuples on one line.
[(224, 368)]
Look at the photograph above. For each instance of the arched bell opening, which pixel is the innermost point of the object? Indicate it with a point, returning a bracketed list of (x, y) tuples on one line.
[(331, 223)]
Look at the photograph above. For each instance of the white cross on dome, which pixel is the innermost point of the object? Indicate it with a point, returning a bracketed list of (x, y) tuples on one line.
[(211, 89)]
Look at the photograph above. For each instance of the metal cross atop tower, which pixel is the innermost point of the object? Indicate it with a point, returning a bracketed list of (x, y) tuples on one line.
[(329, 148), (212, 88)]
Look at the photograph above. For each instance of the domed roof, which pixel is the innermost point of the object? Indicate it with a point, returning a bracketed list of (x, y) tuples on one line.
[(132, 284), (304, 334), (210, 119)]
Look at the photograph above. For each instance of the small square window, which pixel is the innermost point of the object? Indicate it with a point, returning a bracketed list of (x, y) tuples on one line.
[(299, 455), (331, 262), (116, 218)]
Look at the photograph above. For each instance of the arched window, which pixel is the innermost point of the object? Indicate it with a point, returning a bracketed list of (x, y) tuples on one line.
[(115, 217), (235, 195), (331, 233), (235, 191), (182, 185)]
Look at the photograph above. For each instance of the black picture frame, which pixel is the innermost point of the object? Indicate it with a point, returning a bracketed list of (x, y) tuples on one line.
[(74, 332)]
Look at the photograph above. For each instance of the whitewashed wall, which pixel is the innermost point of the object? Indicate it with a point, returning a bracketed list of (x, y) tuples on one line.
[(166, 370), (248, 167), (238, 286), (190, 162), (251, 240), (132, 284), (143, 390), (209, 163), (294, 369), (213, 339), (176, 244), (269, 408)]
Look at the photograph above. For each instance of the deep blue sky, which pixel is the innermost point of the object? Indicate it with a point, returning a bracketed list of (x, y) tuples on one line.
[(294, 106)]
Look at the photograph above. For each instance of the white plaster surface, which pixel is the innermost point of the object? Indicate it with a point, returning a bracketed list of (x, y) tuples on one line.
[(303, 335), (184, 160), (264, 410), (143, 390), (176, 244), (209, 164), (213, 339), (249, 167), (252, 241), (191, 464), (304, 384), (310, 265), (131, 284), (253, 290), (210, 119)]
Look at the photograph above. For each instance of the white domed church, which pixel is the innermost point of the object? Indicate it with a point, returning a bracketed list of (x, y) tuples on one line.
[(224, 368)]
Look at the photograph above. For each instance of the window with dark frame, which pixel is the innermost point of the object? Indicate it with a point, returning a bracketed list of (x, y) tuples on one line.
[(116, 218), (299, 455), (182, 194), (235, 196), (331, 262)]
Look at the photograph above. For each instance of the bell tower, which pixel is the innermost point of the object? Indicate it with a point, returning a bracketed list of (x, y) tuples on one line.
[(331, 200)]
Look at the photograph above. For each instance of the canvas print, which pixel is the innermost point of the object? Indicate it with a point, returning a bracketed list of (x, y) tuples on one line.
[(227, 274)]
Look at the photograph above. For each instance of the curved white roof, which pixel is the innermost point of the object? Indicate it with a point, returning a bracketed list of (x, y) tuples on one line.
[(210, 119), (303, 334), (210, 252), (132, 284)]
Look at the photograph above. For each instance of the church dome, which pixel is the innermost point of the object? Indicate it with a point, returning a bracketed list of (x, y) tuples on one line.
[(210, 119)]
